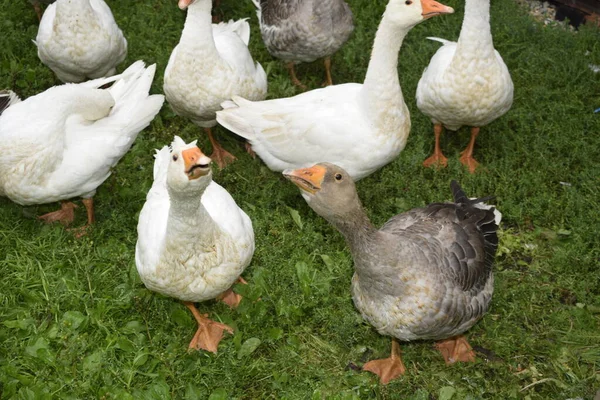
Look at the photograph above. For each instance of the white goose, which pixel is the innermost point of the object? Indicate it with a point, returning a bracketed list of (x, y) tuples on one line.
[(211, 64), (193, 239), (466, 83), (79, 39), (360, 127), (62, 143)]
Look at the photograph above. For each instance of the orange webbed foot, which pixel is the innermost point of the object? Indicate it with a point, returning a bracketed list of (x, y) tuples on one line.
[(66, 214), (436, 160), (231, 298), (387, 369), (456, 349), (208, 335)]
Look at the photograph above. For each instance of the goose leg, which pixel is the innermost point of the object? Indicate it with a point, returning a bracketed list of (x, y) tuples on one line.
[(65, 215), (328, 80), (437, 158), (388, 368), (231, 298), (456, 349), (219, 155), (38, 10), (209, 332), (466, 156), (89, 208), (292, 69)]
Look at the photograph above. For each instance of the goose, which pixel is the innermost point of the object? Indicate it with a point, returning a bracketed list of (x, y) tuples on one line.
[(304, 31), (211, 64), (63, 142), (79, 39), (426, 274), (466, 83), (360, 127), (194, 242)]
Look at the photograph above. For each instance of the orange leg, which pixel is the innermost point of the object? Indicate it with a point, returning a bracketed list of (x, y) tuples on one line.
[(249, 150), (437, 158), (231, 298), (292, 69), (466, 156), (456, 349), (328, 80), (65, 215), (209, 332), (387, 368), (38, 10), (89, 208), (219, 155)]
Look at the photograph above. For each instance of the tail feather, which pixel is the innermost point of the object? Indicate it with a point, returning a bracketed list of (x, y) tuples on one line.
[(7, 99), (232, 117), (241, 27), (443, 41)]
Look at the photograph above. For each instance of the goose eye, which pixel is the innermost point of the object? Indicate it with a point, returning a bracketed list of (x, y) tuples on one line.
[(338, 177), (408, 2), (175, 157)]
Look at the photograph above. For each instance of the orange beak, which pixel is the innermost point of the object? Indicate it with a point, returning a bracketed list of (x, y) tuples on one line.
[(431, 8), (196, 163), (307, 179), (183, 4)]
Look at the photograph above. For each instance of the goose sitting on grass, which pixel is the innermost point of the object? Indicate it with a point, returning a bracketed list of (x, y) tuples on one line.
[(79, 39), (194, 242), (360, 127), (211, 64), (426, 274), (63, 143), (466, 83), (304, 31)]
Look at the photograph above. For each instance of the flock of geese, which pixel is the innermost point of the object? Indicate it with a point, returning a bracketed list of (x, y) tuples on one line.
[(426, 274)]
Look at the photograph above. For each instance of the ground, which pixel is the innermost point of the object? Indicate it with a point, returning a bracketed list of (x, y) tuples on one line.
[(76, 322)]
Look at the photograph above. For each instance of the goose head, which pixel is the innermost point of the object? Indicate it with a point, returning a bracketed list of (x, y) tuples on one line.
[(408, 13), (328, 190), (189, 169), (184, 4)]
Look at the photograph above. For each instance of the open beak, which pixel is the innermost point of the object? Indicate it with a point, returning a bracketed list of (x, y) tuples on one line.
[(196, 163), (183, 4), (431, 8), (307, 179)]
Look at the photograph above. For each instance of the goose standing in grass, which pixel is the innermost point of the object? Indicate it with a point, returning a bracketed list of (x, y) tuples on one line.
[(466, 83), (63, 143), (304, 31), (38, 8), (211, 64), (193, 240), (360, 127), (79, 39), (426, 274)]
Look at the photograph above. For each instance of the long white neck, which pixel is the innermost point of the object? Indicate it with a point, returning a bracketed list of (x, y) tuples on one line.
[(197, 32), (381, 92), (189, 221), (475, 40)]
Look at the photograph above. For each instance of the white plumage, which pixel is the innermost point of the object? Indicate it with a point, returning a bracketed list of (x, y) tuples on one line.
[(466, 82), (79, 39), (193, 240), (360, 127), (211, 64), (62, 143)]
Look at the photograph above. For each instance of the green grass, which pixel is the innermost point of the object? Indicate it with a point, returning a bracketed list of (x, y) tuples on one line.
[(76, 322)]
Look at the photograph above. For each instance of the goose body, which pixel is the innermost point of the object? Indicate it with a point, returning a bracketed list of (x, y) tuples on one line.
[(211, 64), (63, 143), (194, 242), (426, 274), (360, 127), (466, 82), (79, 39), (304, 30)]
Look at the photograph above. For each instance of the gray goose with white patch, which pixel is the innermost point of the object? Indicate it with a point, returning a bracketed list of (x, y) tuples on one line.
[(304, 30), (426, 274)]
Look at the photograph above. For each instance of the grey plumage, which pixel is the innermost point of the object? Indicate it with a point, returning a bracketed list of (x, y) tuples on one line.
[(427, 273), (304, 30)]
